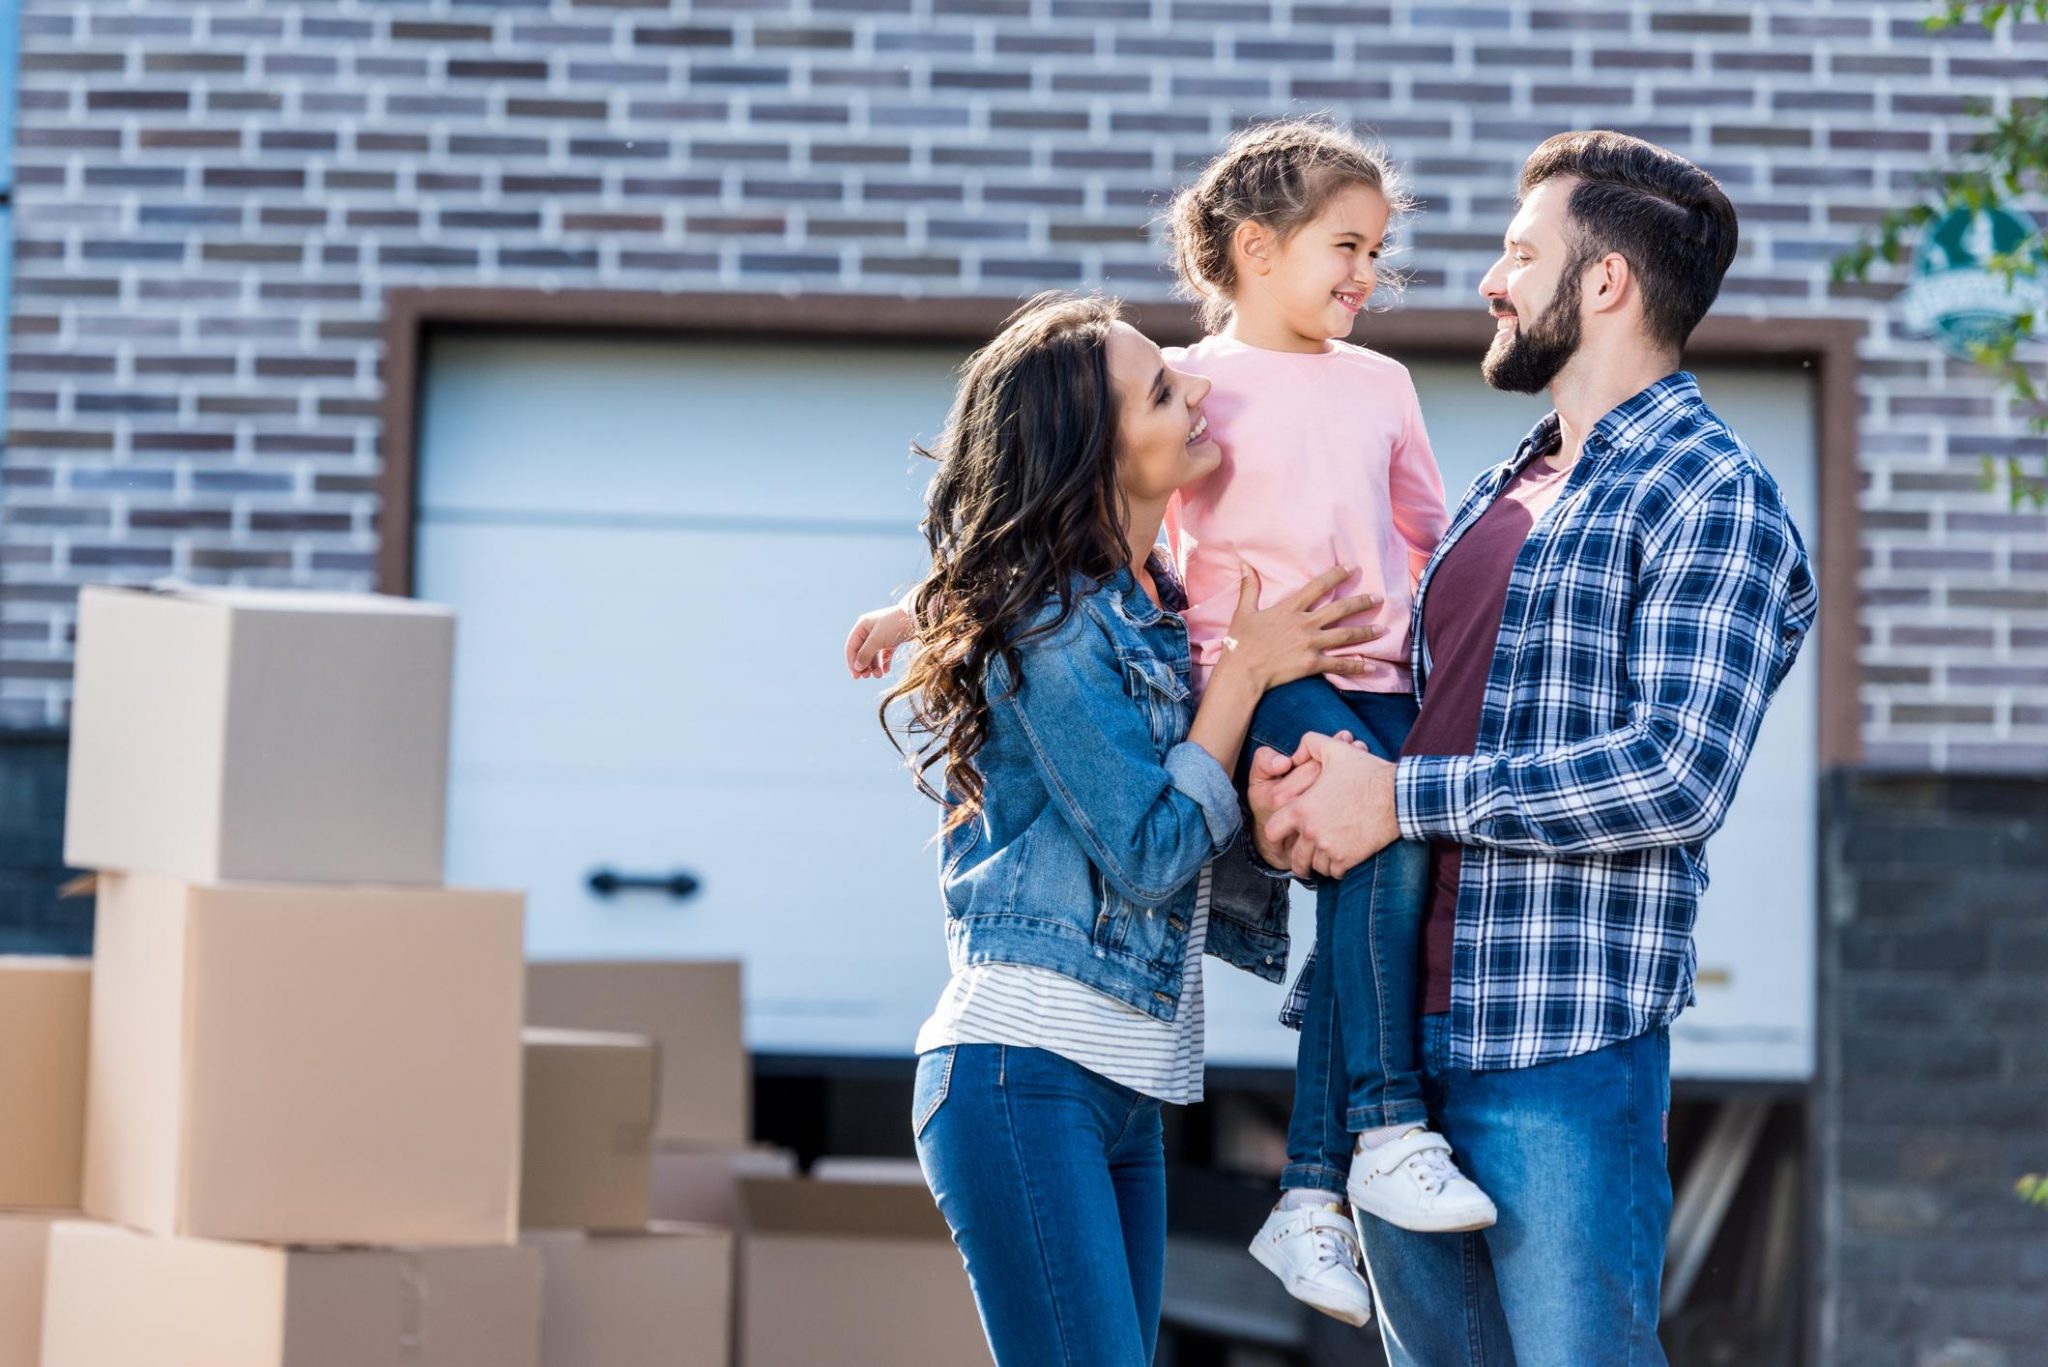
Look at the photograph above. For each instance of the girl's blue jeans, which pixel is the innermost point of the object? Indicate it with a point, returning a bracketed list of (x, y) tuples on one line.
[(1357, 1068)]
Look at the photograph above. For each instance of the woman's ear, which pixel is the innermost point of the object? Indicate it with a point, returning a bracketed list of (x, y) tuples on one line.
[(1251, 248)]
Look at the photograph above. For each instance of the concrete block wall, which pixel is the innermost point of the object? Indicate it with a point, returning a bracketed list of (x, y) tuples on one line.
[(1933, 1092)]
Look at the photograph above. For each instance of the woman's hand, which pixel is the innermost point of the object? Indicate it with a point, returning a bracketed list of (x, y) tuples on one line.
[(872, 643), (1293, 638)]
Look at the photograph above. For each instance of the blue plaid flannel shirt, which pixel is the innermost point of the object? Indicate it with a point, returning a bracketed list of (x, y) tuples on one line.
[(1649, 619)]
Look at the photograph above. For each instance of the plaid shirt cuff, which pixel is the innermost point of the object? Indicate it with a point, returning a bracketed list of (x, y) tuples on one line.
[(1435, 797)]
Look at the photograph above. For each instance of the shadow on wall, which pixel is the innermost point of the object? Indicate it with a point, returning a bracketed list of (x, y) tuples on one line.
[(33, 919)]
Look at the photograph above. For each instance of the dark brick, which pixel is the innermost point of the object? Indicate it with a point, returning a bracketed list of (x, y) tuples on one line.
[(1640, 59), (137, 101), (1699, 23), (479, 69), (980, 80), (1738, 135), (426, 31), (524, 107)]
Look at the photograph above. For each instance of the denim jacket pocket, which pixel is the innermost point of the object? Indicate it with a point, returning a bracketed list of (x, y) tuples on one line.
[(1159, 689), (929, 1091)]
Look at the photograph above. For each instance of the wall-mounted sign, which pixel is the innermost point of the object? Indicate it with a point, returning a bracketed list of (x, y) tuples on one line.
[(1954, 294)]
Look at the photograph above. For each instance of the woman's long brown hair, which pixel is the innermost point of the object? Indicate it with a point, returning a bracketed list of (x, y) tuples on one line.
[(1025, 497)]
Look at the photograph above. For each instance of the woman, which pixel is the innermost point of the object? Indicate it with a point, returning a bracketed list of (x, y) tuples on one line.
[(1083, 809)]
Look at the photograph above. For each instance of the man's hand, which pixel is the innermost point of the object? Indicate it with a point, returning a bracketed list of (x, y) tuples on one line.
[(1344, 818), (1276, 780)]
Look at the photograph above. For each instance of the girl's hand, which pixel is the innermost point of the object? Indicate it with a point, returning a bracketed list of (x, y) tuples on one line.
[(1293, 638), (872, 643)]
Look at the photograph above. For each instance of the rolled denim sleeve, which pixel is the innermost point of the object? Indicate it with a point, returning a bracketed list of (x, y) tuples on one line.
[(1196, 773), (1148, 823)]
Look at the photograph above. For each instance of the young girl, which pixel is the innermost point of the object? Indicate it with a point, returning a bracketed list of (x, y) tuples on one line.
[(1083, 806), (1324, 458)]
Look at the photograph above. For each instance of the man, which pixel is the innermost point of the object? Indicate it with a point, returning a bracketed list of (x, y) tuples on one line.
[(1596, 641)]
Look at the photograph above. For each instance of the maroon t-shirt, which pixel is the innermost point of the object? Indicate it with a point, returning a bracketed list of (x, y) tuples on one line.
[(1461, 626)]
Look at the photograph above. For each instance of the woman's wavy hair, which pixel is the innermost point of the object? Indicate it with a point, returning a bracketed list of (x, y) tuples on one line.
[(1025, 498)]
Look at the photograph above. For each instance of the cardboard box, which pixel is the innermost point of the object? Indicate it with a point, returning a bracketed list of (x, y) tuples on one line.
[(24, 1254), (305, 1064), (587, 1159), (222, 734), (43, 1013), (658, 1298), (702, 1186), (871, 1263), (117, 1298), (691, 1010)]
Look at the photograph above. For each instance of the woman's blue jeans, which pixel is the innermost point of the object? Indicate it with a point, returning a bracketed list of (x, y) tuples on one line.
[(1053, 1179), (1357, 1068)]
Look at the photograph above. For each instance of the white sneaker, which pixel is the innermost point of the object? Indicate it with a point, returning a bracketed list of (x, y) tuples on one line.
[(1412, 1183), (1313, 1250)]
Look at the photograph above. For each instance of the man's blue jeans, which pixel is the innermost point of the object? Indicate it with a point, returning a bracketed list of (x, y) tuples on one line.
[(1356, 1068), (1573, 1153), (1053, 1179)]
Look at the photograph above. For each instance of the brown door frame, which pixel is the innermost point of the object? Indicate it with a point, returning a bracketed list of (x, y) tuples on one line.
[(1828, 346)]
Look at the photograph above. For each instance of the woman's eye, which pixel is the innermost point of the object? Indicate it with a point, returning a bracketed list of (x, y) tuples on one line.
[(1165, 396)]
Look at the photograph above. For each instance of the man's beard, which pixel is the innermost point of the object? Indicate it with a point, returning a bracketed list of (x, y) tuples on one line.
[(1525, 359)]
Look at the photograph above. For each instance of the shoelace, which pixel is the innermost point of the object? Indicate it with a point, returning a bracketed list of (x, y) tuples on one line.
[(1333, 1249), (1434, 1169)]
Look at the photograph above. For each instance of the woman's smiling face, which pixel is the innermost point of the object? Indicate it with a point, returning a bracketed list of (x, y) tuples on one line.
[(1161, 436)]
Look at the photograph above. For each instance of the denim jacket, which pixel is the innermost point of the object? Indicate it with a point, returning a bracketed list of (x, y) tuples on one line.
[(1098, 813)]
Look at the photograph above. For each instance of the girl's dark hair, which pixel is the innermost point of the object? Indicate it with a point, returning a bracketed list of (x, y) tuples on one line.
[(1669, 219), (1026, 497), (1279, 174)]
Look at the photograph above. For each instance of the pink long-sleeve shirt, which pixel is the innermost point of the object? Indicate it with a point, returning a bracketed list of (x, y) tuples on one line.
[(1325, 462)]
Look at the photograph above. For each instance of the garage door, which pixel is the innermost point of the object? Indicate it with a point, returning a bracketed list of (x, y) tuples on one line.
[(655, 548)]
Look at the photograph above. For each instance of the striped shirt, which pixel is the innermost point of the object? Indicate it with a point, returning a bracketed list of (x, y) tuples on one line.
[(1036, 1008)]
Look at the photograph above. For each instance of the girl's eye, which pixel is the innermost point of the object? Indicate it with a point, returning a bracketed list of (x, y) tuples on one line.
[(1165, 397)]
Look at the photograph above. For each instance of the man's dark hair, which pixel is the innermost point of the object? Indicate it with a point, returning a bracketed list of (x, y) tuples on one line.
[(1668, 219)]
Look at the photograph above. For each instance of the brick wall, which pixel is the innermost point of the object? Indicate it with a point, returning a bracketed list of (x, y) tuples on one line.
[(1933, 1093), (214, 197)]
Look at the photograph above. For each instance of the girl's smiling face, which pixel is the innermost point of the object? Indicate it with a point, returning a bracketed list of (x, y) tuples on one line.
[(1161, 436), (1315, 281)]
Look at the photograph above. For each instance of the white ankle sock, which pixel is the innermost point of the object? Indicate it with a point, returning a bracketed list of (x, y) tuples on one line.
[(1384, 1134), (1294, 1198)]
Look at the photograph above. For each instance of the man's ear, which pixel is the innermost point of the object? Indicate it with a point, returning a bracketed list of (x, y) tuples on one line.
[(1251, 247), (1609, 284)]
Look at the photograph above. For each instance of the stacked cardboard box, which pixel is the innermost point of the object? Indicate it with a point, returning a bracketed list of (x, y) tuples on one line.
[(42, 1119), (619, 1291), (871, 1262), (299, 1038), (692, 1011)]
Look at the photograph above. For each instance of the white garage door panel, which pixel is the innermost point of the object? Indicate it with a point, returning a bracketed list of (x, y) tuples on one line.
[(627, 430), (653, 701), (656, 549)]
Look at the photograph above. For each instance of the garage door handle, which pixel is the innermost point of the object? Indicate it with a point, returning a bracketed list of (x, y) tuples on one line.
[(605, 883)]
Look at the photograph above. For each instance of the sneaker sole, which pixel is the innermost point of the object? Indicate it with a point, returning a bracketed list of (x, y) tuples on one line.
[(1450, 1222), (1342, 1315)]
